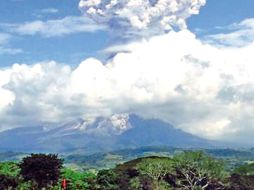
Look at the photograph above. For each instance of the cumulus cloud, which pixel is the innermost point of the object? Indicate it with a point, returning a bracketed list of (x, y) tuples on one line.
[(6, 96), (36, 93), (202, 88), (58, 27), (198, 87), (141, 16)]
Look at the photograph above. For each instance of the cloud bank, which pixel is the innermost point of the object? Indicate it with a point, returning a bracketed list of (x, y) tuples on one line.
[(175, 77), (202, 88)]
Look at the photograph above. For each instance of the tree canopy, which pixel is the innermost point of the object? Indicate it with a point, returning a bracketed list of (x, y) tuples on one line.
[(43, 170)]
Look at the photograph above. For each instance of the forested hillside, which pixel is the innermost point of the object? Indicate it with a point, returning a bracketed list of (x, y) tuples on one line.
[(189, 170)]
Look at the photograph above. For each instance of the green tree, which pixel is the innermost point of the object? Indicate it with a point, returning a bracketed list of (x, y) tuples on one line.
[(246, 169), (195, 170), (78, 180), (9, 168), (107, 180), (41, 169), (156, 169)]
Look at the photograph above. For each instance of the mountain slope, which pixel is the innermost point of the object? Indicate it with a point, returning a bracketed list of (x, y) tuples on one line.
[(155, 132), (101, 134)]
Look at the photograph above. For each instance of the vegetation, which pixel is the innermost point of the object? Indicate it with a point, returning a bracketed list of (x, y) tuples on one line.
[(9, 168), (246, 169), (87, 160), (232, 157), (195, 170), (7, 182), (156, 169), (42, 170), (78, 180), (189, 170)]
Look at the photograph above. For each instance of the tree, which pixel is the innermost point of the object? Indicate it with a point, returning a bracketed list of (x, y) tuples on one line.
[(246, 169), (43, 170), (195, 170), (7, 182), (107, 180), (78, 180), (156, 169), (241, 182), (9, 168)]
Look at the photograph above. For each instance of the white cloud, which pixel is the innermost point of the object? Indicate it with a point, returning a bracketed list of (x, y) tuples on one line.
[(49, 11), (237, 34), (11, 51), (45, 12), (7, 96), (60, 27), (141, 16), (37, 93), (200, 88), (4, 40)]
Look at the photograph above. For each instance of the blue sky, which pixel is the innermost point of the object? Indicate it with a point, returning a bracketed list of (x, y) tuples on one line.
[(70, 49), (75, 47), (221, 13), (165, 60)]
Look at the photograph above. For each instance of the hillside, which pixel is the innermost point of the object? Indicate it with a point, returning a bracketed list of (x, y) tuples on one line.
[(100, 135)]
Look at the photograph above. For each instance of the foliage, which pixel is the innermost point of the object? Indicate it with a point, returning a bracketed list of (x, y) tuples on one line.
[(7, 182), (9, 168), (41, 169), (241, 182), (189, 170), (194, 170), (185, 171), (107, 180), (9, 177), (78, 180), (22, 185), (246, 169), (156, 168), (135, 183)]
